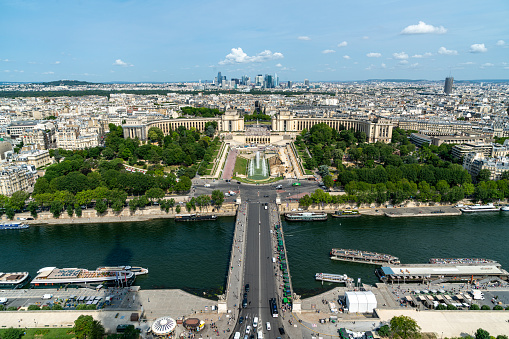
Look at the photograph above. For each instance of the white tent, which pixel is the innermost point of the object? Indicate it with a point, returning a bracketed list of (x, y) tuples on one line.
[(360, 302), (164, 326)]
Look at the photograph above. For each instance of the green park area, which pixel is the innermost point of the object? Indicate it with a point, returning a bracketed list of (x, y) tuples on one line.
[(38, 333), (240, 166)]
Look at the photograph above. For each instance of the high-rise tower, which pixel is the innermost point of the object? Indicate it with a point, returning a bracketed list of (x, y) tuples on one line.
[(448, 85), (219, 79)]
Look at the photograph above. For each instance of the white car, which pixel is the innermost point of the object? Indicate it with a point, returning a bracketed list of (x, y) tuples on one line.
[(255, 322), (248, 329), (268, 326), (206, 185)]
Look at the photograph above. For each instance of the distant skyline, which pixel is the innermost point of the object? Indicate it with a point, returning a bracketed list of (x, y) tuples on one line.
[(172, 41)]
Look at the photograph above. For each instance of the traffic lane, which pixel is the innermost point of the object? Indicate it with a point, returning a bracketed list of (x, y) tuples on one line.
[(251, 270), (268, 277)]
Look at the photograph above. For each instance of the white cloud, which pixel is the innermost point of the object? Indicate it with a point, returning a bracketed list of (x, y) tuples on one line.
[(400, 56), (347, 57), (327, 51), (488, 64), (119, 62), (423, 28), (403, 62), (414, 65), (238, 56), (48, 72), (57, 62), (500, 43), (478, 48), (5, 60), (279, 65), (304, 38), (373, 55), (445, 51), (343, 44), (467, 63), (370, 67), (383, 65), (365, 37), (425, 55)]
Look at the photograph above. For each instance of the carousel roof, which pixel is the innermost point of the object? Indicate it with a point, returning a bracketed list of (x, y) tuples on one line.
[(164, 325)]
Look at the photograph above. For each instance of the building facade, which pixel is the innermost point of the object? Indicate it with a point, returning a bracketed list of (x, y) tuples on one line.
[(376, 130), (17, 178)]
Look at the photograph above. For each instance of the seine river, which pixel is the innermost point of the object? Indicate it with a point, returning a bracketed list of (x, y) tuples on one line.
[(194, 256), (189, 255)]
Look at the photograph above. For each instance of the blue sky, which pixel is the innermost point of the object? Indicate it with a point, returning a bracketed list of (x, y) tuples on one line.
[(156, 40)]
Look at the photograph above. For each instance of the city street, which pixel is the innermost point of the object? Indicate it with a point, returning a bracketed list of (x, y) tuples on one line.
[(259, 274)]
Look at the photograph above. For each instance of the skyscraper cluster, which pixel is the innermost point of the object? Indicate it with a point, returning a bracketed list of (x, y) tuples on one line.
[(265, 81)]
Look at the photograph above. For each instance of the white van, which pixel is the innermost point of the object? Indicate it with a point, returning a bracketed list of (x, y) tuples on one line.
[(47, 296), (268, 326), (3, 300), (260, 335), (255, 322), (208, 185), (237, 335)]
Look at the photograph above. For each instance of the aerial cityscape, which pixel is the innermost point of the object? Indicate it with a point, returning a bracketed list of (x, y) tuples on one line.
[(254, 170)]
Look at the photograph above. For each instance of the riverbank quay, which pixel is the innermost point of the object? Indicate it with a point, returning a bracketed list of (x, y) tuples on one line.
[(91, 216), (428, 211), (409, 210), (315, 317), (148, 304)]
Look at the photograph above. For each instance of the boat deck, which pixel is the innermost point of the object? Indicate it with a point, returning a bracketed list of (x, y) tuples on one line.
[(363, 256), (12, 278)]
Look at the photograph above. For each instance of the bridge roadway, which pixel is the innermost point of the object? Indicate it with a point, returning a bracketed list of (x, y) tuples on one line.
[(259, 273)]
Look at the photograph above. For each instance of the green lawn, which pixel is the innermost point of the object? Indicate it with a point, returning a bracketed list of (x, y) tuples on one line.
[(240, 166), (49, 333)]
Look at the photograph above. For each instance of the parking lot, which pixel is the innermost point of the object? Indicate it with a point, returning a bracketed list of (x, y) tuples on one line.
[(69, 299)]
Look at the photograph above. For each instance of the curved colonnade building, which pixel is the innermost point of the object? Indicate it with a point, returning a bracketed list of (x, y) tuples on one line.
[(285, 125)]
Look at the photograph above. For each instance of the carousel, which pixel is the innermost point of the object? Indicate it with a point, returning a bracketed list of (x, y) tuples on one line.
[(164, 327)]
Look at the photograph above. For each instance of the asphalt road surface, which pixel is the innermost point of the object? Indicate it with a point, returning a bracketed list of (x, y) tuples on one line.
[(259, 273), (254, 193)]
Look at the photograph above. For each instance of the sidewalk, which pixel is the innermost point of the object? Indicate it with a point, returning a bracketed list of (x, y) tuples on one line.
[(236, 272)]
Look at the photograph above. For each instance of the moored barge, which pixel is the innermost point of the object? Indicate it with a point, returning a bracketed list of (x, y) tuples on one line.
[(306, 216), (336, 278), (194, 217), (14, 280), (363, 257), (346, 214), (52, 277)]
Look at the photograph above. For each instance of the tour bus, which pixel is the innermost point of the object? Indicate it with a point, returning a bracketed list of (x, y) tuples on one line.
[(273, 308)]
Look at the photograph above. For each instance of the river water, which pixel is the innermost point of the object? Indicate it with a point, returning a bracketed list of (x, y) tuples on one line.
[(194, 256), (188, 255), (413, 240)]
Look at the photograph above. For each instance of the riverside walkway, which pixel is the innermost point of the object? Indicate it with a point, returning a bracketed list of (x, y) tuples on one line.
[(234, 282)]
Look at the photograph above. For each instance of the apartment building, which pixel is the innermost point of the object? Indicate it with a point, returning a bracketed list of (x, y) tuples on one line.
[(17, 178), (36, 158), (71, 139)]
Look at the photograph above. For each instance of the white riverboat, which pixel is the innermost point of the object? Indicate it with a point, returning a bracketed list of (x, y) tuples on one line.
[(335, 278), (53, 277), (480, 208), (135, 269), (14, 280)]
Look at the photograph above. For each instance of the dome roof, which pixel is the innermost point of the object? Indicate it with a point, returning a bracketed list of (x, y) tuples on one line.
[(164, 325)]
